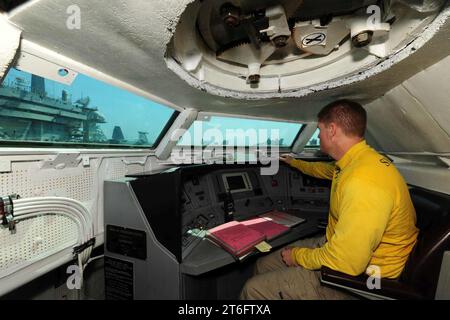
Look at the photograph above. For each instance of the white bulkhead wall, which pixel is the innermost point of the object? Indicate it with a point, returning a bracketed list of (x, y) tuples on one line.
[(412, 123), (414, 116)]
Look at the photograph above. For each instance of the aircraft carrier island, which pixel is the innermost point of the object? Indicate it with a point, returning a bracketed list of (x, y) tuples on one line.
[(27, 112)]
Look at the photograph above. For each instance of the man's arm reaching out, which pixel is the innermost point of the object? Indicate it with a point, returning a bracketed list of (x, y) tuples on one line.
[(322, 170)]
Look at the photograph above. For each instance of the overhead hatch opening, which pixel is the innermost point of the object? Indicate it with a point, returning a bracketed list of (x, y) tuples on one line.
[(269, 46)]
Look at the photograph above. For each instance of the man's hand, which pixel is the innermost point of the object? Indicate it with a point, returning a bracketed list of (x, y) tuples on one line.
[(286, 158), (286, 255)]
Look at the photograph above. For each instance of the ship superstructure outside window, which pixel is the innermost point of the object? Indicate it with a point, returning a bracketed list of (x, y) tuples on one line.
[(314, 141), (35, 111)]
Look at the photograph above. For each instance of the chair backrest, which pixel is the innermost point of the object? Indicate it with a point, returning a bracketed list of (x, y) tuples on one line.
[(433, 220)]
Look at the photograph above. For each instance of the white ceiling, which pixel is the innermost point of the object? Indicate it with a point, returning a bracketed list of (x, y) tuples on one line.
[(126, 39)]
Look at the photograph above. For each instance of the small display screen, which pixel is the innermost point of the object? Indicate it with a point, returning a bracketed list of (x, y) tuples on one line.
[(236, 182)]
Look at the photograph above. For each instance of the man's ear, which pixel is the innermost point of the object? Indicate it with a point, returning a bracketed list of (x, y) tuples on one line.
[(332, 128)]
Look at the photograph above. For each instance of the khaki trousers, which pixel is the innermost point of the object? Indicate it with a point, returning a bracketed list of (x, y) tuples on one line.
[(274, 280)]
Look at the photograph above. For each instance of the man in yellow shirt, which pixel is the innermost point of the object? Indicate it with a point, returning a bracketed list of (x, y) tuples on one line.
[(371, 219)]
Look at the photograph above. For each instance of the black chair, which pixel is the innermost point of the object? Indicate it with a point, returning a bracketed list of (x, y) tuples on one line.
[(420, 276)]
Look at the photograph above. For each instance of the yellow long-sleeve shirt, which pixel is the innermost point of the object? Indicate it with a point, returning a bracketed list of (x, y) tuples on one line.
[(371, 219)]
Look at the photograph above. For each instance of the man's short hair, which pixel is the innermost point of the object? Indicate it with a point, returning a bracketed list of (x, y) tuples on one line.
[(347, 114)]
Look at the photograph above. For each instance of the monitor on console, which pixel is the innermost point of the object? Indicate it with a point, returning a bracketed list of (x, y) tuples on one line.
[(237, 182)]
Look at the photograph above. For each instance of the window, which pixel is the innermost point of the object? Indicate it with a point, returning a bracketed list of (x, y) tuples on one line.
[(314, 142), (238, 132), (36, 111)]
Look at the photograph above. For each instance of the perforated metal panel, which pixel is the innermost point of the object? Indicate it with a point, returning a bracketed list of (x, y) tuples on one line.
[(35, 239), (116, 169), (76, 186), (27, 180), (18, 179)]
